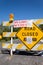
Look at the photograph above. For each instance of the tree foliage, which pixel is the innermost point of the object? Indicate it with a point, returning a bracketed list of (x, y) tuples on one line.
[(41, 26)]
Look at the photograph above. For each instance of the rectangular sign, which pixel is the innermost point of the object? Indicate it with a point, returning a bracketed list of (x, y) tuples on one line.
[(20, 23), (23, 23)]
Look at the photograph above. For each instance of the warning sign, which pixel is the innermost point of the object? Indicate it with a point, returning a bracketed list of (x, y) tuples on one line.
[(20, 23), (30, 36)]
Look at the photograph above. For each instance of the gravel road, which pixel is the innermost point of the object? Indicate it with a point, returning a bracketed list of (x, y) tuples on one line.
[(6, 59)]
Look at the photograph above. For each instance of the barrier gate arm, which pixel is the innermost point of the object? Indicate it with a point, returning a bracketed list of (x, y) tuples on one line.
[(11, 34), (19, 46)]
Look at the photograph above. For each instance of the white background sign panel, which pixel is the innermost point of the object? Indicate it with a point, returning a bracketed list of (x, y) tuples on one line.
[(23, 23), (20, 23)]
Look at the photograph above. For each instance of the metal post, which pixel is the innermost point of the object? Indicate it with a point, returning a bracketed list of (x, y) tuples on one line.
[(11, 40), (11, 17)]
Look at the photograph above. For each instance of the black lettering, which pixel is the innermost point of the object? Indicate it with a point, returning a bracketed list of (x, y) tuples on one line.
[(34, 39), (23, 34), (36, 34), (24, 39), (29, 34), (29, 28)]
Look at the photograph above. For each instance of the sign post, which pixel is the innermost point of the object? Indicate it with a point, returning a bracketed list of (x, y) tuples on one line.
[(11, 21)]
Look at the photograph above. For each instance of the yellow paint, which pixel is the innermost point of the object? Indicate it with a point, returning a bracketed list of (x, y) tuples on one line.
[(40, 47), (39, 21), (19, 46), (8, 24), (4, 34), (0, 37), (9, 46), (3, 44), (12, 34)]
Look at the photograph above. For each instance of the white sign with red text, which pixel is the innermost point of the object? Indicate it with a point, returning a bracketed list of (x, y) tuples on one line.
[(23, 23)]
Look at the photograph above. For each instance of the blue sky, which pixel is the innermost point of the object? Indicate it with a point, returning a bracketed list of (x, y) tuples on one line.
[(22, 9)]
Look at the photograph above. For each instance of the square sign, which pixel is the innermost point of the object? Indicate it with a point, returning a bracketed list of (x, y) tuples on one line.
[(30, 36)]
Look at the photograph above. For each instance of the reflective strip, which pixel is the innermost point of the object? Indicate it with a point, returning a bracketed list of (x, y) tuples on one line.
[(35, 47), (12, 34), (0, 37), (6, 23), (24, 47), (9, 34), (41, 40), (39, 21), (5, 45), (19, 46), (10, 46), (14, 46), (38, 47), (30, 22), (4, 34)]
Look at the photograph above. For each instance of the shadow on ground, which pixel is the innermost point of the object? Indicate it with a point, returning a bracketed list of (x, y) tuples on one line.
[(27, 53)]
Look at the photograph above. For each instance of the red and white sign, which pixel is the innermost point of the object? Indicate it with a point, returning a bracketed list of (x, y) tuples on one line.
[(20, 23), (23, 23)]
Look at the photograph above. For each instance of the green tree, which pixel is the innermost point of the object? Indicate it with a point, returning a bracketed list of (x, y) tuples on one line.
[(41, 26)]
